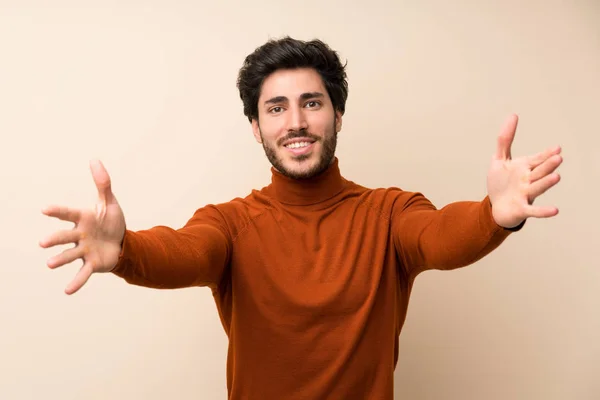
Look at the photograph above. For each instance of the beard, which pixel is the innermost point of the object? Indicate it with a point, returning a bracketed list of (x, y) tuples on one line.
[(326, 157)]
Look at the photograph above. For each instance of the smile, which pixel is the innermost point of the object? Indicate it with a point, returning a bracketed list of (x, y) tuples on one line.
[(297, 145), (300, 147)]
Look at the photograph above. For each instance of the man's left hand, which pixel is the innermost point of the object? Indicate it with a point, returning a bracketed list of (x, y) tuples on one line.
[(514, 184)]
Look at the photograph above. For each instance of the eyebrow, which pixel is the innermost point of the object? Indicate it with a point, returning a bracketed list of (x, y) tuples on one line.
[(303, 96)]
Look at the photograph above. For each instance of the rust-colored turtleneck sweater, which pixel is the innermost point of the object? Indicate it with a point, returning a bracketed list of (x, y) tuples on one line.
[(311, 278)]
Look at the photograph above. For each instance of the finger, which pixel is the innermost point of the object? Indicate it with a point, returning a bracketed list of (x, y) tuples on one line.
[(545, 168), (80, 279), (541, 211), (541, 157), (62, 213), (62, 237), (66, 257), (506, 138), (102, 181), (540, 186)]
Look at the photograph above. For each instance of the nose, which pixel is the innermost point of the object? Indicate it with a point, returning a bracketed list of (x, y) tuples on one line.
[(297, 121)]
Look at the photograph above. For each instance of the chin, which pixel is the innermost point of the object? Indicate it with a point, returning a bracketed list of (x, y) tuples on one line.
[(301, 163), (304, 166)]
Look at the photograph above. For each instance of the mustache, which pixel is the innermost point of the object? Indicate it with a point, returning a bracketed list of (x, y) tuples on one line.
[(298, 134)]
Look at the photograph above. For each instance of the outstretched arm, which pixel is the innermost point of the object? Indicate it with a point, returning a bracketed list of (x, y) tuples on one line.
[(161, 257), (165, 258), (463, 232)]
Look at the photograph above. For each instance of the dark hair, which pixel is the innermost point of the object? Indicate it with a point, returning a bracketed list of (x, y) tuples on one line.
[(288, 53)]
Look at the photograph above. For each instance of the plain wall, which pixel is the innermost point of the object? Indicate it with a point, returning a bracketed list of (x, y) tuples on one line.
[(149, 88)]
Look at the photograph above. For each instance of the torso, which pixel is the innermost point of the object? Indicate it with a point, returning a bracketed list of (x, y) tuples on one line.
[(313, 301)]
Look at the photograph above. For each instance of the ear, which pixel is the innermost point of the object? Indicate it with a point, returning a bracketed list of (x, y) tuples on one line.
[(338, 121), (256, 130)]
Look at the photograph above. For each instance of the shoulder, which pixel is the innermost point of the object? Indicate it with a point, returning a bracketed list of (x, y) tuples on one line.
[(393, 200), (233, 215)]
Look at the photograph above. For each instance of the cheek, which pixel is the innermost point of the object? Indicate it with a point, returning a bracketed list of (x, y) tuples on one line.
[(271, 131), (321, 126)]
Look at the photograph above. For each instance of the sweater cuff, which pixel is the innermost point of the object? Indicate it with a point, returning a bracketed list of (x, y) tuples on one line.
[(487, 204), (125, 254)]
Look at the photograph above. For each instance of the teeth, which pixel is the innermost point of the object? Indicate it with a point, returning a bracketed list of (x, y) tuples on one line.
[(297, 145)]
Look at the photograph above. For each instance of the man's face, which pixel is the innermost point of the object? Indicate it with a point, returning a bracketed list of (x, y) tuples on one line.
[(297, 124)]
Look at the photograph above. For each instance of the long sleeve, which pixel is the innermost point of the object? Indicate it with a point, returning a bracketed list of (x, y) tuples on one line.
[(454, 236), (161, 257)]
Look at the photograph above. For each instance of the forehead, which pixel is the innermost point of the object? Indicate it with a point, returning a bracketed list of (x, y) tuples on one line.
[(292, 83)]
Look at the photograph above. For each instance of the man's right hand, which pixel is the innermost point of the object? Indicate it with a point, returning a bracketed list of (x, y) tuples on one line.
[(97, 234)]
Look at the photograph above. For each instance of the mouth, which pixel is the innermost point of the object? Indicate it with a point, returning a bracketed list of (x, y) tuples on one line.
[(300, 146)]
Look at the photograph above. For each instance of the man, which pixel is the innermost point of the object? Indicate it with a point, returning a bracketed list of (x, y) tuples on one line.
[(311, 274)]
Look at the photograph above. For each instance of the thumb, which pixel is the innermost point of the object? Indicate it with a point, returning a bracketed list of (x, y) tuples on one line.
[(506, 137), (102, 182)]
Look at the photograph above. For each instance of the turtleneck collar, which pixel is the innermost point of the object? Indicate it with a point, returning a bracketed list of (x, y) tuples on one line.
[(307, 191)]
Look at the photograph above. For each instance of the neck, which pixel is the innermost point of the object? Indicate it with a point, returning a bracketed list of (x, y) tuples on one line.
[(308, 191)]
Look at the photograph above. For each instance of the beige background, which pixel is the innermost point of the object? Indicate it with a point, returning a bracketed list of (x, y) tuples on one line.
[(149, 88)]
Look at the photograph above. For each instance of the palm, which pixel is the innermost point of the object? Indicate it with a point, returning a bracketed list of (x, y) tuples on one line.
[(514, 184), (97, 234), (102, 242)]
